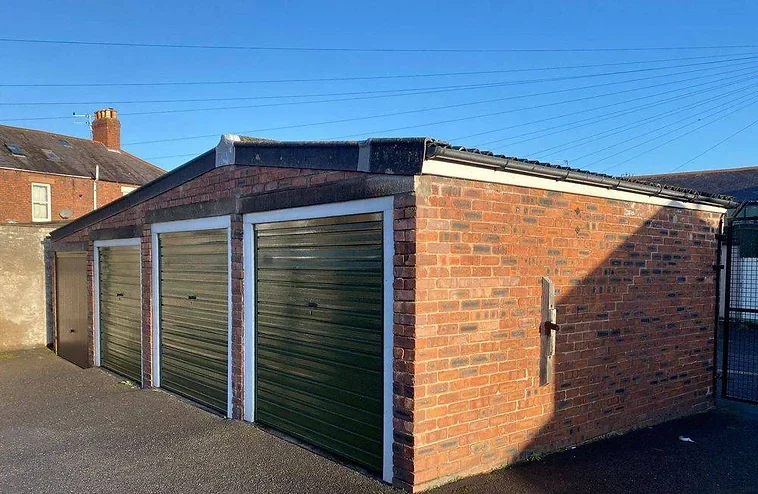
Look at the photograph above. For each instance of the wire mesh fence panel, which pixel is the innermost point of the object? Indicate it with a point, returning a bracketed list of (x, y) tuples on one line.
[(740, 340)]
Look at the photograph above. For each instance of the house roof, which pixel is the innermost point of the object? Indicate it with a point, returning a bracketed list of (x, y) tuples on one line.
[(388, 156), (740, 183), (47, 152)]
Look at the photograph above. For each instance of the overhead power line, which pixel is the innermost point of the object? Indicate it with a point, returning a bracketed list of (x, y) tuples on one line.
[(596, 119), (153, 158), (541, 133), (368, 78), (362, 50), (406, 112), (749, 61), (719, 107), (502, 112), (743, 129), (752, 102), (739, 78)]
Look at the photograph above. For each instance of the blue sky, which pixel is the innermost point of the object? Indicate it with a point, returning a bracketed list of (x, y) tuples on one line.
[(559, 119)]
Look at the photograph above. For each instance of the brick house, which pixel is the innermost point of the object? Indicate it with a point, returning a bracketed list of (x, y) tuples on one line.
[(47, 177), (422, 311)]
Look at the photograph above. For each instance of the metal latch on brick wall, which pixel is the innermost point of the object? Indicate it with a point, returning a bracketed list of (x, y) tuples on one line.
[(548, 329)]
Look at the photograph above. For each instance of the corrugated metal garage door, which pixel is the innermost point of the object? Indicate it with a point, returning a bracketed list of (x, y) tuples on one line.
[(194, 287), (71, 310), (319, 333), (120, 311)]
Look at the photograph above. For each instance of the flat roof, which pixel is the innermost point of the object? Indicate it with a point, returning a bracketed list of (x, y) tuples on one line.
[(389, 156)]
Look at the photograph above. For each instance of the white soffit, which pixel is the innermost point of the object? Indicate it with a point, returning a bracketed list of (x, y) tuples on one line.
[(455, 170)]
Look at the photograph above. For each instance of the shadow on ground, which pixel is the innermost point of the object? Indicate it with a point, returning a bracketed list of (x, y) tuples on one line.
[(723, 459)]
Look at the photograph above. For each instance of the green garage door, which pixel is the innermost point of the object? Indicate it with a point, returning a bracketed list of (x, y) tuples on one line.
[(120, 311), (194, 287), (319, 333)]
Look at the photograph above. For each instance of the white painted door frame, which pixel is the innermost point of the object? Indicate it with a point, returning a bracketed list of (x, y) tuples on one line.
[(121, 242), (384, 205), (213, 223)]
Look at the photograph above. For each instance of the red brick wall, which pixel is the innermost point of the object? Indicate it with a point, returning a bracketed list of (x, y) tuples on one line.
[(238, 329), (404, 333), (635, 295), (219, 183), (66, 193), (146, 255)]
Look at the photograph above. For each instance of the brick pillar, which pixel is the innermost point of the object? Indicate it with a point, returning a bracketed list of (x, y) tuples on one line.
[(146, 252), (91, 302), (238, 329), (404, 321), (52, 339)]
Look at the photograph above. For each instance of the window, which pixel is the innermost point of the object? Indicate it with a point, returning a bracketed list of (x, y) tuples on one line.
[(65, 143), (40, 202), (15, 149), (51, 155), (125, 189)]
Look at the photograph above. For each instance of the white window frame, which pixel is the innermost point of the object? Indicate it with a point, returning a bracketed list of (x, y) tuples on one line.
[(121, 242), (127, 189), (212, 223), (384, 205), (49, 202)]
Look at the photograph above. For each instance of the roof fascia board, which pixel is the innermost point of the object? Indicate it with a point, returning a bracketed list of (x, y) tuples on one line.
[(176, 177), (385, 156), (515, 167), (445, 168)]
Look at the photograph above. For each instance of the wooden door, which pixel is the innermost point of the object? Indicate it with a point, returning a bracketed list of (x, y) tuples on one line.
[(72, 316)]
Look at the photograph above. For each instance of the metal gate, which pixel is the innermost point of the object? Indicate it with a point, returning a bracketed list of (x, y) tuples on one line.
[(740, 335)]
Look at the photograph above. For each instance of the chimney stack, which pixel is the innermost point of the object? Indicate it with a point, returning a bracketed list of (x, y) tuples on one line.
[(106, 129)]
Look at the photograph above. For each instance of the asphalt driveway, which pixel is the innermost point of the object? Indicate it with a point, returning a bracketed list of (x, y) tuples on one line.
[(64, 429), (722, 459)]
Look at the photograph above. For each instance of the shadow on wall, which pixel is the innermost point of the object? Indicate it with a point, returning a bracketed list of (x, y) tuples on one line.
[(635, 299), (636, 337)]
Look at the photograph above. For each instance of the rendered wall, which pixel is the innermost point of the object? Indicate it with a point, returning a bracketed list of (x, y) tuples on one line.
[(23, 314)]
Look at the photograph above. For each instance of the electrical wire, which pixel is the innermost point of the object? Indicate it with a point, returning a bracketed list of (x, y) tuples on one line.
[(343, 93), (744, 61), (675, 138), (542, 132), (542, 153), (362, 50), (484, 115), (381, 77), (652, 131), (743, 129), (406, 112)]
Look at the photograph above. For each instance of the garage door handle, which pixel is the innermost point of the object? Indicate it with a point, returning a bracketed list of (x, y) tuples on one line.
[(312, 304), (71, 330), (119, 294), (191, 297)]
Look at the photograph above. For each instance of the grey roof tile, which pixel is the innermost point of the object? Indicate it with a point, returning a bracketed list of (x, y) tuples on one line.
[(79, 158)]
